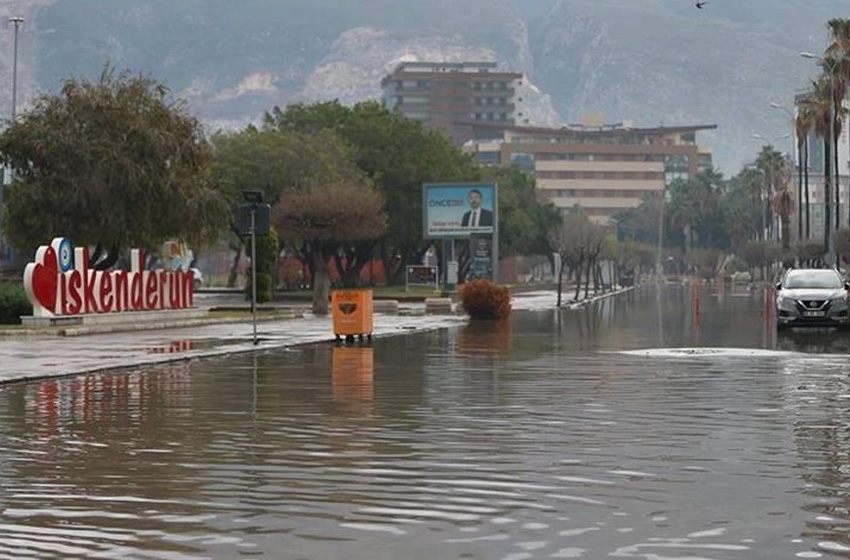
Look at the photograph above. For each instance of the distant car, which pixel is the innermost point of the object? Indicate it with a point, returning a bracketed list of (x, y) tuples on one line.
[(198, 278), (812, 297)]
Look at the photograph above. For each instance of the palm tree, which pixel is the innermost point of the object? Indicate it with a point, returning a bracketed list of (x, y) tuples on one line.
[(803, 123), (770, 163), (783, 202), (838, 88), (838, 52), (819, 106), (708, 188), (682, 210)]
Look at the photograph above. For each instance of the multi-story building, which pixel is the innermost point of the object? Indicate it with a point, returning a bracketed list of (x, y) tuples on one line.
[(448, 96), (603, 169)]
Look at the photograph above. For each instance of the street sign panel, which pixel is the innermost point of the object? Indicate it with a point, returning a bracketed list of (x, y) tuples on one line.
[(262, 218)]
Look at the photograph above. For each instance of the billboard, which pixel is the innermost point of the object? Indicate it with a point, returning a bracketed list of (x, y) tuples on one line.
[(459, 210)]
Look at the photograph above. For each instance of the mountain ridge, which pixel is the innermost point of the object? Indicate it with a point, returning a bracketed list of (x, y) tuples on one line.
[(649, 62)]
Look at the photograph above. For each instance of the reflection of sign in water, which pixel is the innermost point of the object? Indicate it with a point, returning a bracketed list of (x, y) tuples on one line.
[(481, 257), (93, 401), (353, 373), (459, 210)]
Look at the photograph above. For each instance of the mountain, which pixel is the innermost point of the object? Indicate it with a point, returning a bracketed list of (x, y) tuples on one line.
[(646, 61)]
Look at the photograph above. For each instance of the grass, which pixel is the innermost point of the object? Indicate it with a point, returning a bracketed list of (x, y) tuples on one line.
[(246, 314)]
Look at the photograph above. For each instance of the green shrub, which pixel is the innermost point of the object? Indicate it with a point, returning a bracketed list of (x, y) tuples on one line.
[(13, 304), (264, 287), (482, 299)]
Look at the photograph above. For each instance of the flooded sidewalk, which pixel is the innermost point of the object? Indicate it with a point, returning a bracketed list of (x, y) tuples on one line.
[(34, 357), (31, 358)]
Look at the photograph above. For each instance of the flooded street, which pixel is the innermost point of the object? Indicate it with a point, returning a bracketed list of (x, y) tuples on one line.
[(652, 426)]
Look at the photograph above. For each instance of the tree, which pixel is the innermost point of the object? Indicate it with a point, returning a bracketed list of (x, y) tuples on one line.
[(397, 154), (708, 187), (838, 51), (683, 210), (524, 220), (818, 106), (743, 212), (783, 204), (113, 162), (771, 164), (267, 252), (327, 217), (803, 123), (272, 160), (579, 242)]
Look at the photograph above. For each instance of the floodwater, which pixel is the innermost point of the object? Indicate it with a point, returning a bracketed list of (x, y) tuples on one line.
[(651, 426)]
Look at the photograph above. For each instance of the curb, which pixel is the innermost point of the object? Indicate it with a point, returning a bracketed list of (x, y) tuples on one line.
[(58, 332), (594, 299)]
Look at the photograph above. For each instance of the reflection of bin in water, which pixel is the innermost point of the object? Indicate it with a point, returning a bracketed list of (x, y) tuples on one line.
[(353, 373), (352, 313)]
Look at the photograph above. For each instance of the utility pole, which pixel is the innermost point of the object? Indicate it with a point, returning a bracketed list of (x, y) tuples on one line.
[(17, 21)]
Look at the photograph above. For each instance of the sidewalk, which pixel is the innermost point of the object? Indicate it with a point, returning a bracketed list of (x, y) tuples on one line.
[(32, 358), (37, 357)]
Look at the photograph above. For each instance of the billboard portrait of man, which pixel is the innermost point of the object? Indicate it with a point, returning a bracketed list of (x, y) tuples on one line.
[(477, 216), (458, 210)]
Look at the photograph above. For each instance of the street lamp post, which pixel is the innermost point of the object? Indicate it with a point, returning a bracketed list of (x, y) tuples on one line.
[(17, 21)]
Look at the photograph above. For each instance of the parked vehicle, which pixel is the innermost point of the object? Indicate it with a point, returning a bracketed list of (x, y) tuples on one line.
[(197, 278), (812, 297)]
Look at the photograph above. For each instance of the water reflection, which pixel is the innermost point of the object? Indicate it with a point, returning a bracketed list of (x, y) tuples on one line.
[(532, 438), (353, 378)]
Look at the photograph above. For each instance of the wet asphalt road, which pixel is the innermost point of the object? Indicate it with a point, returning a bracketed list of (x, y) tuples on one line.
[(650, 426)]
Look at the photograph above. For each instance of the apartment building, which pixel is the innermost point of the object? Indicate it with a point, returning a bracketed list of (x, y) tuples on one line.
[(448, 96), (603, 169)]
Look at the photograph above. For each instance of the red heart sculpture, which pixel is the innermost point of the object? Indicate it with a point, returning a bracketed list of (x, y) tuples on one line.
[(45, 278)]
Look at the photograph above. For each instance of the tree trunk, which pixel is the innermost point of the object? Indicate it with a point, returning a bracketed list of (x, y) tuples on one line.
[(827, 193), (578, 278), (837, 181), (590, 264), (234, 275), (806, 179), (786, 231), (320, 282), (799, 191), (560, 280)]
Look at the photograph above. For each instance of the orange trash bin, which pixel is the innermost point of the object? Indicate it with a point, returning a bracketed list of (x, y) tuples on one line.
[(352, 313)]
